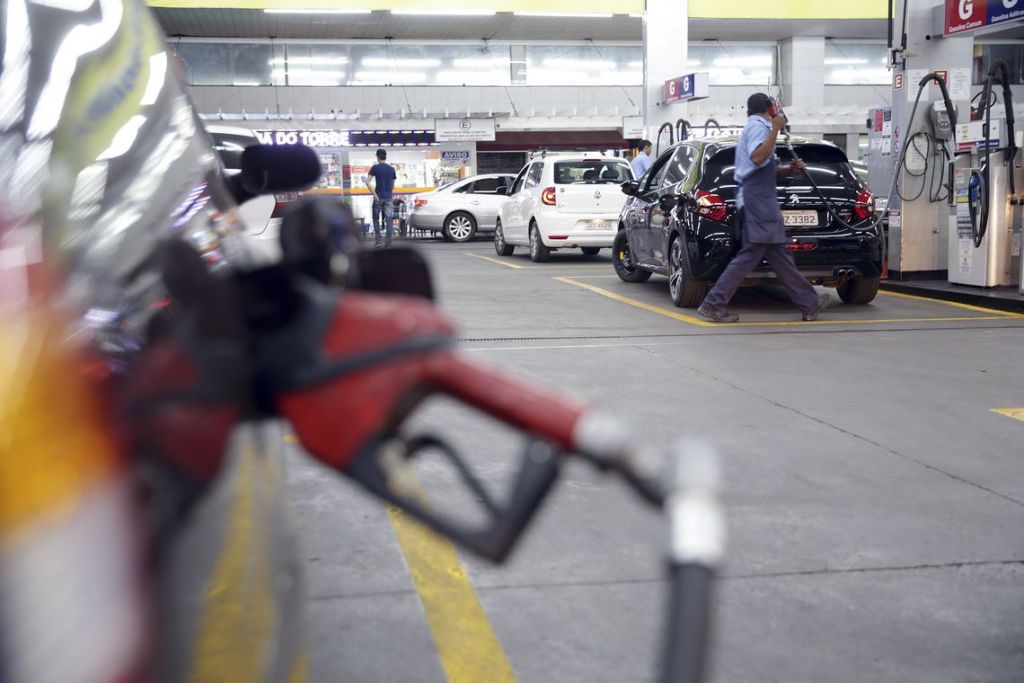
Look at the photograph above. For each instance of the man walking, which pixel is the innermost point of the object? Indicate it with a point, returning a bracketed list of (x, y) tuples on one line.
[(381, 182), (643, 161), (764, 234)]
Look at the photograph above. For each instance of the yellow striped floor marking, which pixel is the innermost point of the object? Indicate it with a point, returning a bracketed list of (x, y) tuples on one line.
[(498, 261), (693, 320), (1015, 413), (954, 304), (466, 643)]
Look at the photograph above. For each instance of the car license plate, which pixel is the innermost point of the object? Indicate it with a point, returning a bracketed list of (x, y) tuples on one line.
[(800, 219), (595, 225)]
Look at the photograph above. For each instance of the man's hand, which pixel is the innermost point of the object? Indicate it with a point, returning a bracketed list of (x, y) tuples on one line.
[(779, 123), (797, 166)]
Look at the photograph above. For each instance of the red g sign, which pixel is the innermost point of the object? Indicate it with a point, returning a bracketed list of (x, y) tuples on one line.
[(966, 15)]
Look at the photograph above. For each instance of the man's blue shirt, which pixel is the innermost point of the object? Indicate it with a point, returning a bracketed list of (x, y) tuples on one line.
[(384, 175), (641, 164), (754, 133)]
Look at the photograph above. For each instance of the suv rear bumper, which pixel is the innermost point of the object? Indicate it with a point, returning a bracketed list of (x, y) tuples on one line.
[(828, 262)]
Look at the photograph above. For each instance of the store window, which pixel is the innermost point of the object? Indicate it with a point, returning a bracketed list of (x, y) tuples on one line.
[(733, 64), (986, 54), (849, 63)]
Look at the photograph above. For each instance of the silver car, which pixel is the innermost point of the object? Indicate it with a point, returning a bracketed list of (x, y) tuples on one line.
[(458, 211)]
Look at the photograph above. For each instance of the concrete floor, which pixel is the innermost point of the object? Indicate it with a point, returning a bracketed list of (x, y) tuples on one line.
[(875, 502)]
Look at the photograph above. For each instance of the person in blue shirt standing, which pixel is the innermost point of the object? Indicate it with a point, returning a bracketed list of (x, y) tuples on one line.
[(381, 182), (763, 230), (643, 161)]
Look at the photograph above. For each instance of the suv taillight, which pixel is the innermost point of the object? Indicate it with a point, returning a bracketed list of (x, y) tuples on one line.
[(711, 205), (417, 203), (865, 206), (548, 196)]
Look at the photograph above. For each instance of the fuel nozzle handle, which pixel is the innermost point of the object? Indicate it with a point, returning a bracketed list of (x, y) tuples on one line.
[(946, 100), (696, 547)]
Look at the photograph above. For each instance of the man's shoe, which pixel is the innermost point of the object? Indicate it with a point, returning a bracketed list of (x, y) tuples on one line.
[(718, 316), (813, 315)]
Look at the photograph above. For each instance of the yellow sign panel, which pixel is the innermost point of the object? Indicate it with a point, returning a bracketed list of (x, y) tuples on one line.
[(699, 9), (600, 6), (788, 9)]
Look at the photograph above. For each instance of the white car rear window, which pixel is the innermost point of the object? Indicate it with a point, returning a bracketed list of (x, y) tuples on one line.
[(591, 171)]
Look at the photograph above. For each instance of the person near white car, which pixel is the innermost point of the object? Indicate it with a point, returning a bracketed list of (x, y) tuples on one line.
[(461, 209), (563, 201)]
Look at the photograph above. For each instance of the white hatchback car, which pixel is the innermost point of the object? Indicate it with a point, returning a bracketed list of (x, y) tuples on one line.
[(563, 201), (461, 209)]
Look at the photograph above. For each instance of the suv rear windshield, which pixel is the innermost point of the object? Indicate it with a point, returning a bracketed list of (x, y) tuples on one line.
[(826, 164), (591, 171)]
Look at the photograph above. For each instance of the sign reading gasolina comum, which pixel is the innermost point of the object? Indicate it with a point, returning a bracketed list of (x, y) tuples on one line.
[(970, 15)]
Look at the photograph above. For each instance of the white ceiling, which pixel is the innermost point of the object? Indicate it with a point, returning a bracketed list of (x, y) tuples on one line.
[(235, 23)]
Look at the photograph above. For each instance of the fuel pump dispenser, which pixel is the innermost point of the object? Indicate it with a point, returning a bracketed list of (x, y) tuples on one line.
[(985, 225)]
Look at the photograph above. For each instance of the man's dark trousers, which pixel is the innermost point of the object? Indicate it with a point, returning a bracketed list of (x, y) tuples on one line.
[(749, 258)]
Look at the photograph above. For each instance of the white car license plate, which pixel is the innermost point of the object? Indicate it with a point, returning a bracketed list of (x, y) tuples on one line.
[(800, 219), (595, 225)]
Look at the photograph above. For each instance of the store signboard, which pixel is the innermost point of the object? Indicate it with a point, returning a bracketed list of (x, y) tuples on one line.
[(311, 138), (632, 127), (464, 130), (969, 15), (688, 87), (454, 156)]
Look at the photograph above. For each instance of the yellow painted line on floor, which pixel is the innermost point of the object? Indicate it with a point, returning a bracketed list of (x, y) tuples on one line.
[(494, 260), (1015, 413), (675, 315), (954, 304), (691, 320), (466, 643)]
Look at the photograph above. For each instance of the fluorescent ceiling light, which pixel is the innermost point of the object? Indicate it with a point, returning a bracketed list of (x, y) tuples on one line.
[(564, 63), (390, 77), (570, 15), (399, 63), (475, 77), (843, 61), (315, 75), (317, 11), (444, 12), (479, 62), (308, 61), (753, 60)]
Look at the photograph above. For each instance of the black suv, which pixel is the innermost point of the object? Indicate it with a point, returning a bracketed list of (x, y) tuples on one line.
[(680, 221)]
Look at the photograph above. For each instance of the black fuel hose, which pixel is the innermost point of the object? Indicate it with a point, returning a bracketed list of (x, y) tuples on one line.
[(661, 131), (1000, 68), (874, 224), (712, 122), (683, 128)]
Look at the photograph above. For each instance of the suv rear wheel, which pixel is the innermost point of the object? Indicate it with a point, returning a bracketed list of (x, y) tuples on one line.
[(685, 291), (858, 290), (538, 252), (622, 260)]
